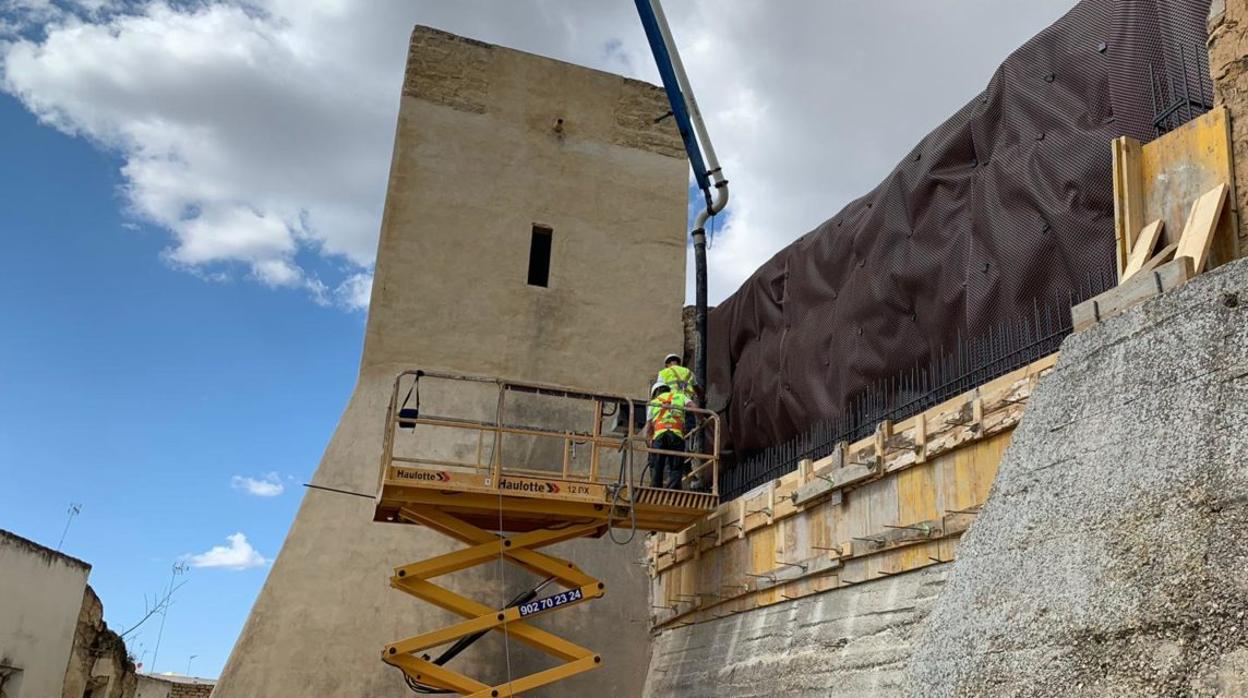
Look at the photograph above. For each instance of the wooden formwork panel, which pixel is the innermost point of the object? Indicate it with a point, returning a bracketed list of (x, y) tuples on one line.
[(896, 501)]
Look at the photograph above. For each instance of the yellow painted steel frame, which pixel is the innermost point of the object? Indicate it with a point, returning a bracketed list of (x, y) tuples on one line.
[(485, 546)]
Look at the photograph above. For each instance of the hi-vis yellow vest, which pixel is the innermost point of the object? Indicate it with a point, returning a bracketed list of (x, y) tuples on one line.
[(679, 379), (667, 411)]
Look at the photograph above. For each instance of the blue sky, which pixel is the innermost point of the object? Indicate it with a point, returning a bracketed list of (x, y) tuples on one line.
[(140, 391)]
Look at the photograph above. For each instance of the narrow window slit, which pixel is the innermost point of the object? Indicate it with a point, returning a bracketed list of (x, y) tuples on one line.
[(539, 256)]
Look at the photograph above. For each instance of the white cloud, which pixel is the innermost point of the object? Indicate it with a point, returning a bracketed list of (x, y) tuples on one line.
[(355, 291), (238, 555), (269, 485), (258, 132)]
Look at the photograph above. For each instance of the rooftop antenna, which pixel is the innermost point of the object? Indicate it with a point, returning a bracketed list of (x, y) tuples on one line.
[(178, 568), (74, 509)]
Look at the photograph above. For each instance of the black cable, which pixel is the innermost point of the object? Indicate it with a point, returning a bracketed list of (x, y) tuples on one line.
[(622, 480), (465, 642), (337, 491)]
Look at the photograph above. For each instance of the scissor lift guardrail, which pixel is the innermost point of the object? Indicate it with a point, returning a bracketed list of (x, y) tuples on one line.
[(464, 482)]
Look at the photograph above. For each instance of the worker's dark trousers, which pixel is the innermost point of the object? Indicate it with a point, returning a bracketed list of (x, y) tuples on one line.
[(673, 467)]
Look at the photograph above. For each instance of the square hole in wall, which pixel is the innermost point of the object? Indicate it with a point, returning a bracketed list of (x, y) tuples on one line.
[(539, 255)]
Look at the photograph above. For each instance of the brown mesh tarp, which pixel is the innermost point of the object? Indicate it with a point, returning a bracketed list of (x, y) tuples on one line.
[(1006, 203)]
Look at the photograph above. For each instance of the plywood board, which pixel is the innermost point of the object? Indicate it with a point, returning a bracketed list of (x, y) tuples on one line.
[(763, 547), (966, 471), (1202, 223), (916, 494), (987, 455), (1128, 198), (1165, 255), (881, 497), (1143, 249), (898, 521), (1180, 166)]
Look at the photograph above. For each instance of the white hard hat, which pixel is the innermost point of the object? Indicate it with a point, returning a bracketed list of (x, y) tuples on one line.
[(658, 384), (669, 357)]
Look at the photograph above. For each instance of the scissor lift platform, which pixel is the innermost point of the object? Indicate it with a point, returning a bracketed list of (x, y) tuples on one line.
[(521, 466), (532, 503)]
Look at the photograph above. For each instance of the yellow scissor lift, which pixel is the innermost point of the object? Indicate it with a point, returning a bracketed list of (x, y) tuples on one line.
[(518, 467)]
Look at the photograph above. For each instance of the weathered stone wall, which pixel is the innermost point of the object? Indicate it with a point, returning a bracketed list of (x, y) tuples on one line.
[(1110, 558), (188, 690), (99, 660), (490, 142), (1228, 63), (853, 641), (81, 660)]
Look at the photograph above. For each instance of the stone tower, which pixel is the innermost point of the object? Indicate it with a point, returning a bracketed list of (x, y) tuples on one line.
[(534, 230)]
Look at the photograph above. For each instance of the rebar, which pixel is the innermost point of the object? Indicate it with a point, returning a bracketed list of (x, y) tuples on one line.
[(791, 564), (971, 362)]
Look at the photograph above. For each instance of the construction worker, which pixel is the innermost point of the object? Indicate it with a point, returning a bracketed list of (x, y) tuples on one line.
[(679, 378), (665, 427)]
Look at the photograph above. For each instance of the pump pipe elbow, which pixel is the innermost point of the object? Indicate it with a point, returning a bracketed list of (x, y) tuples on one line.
[(721, 201)]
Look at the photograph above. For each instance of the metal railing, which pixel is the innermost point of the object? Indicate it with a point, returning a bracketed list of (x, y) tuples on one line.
[(1005, 347), (1182, 90), (496, 427)]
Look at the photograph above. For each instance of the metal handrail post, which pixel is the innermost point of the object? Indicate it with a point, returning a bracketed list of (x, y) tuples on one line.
[(595, 433), (497, 456), (387, 444), (715, 470)]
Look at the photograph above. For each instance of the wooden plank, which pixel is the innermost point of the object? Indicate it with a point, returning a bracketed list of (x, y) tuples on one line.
[(920, 437), (822, 486), (1131, 293), (804, 469), (821, 521), (882, 509), (964, 476), (915, 556), (916, 494), (699, 592), (1202, 222), (1165, 255), (852, 474), (937, 423), (763, 558), (1180, 166), (1128, 197), (836, 528), (1143, 249), (853, 523), (986, 457)]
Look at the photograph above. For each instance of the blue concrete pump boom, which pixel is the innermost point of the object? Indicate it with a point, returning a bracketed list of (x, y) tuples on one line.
[(706, 170), (680, 110)]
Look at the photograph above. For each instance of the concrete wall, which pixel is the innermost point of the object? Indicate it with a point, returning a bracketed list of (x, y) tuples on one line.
[(1110, 558), (41, 592), (480, 156), (150, 687), (849, 642)]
